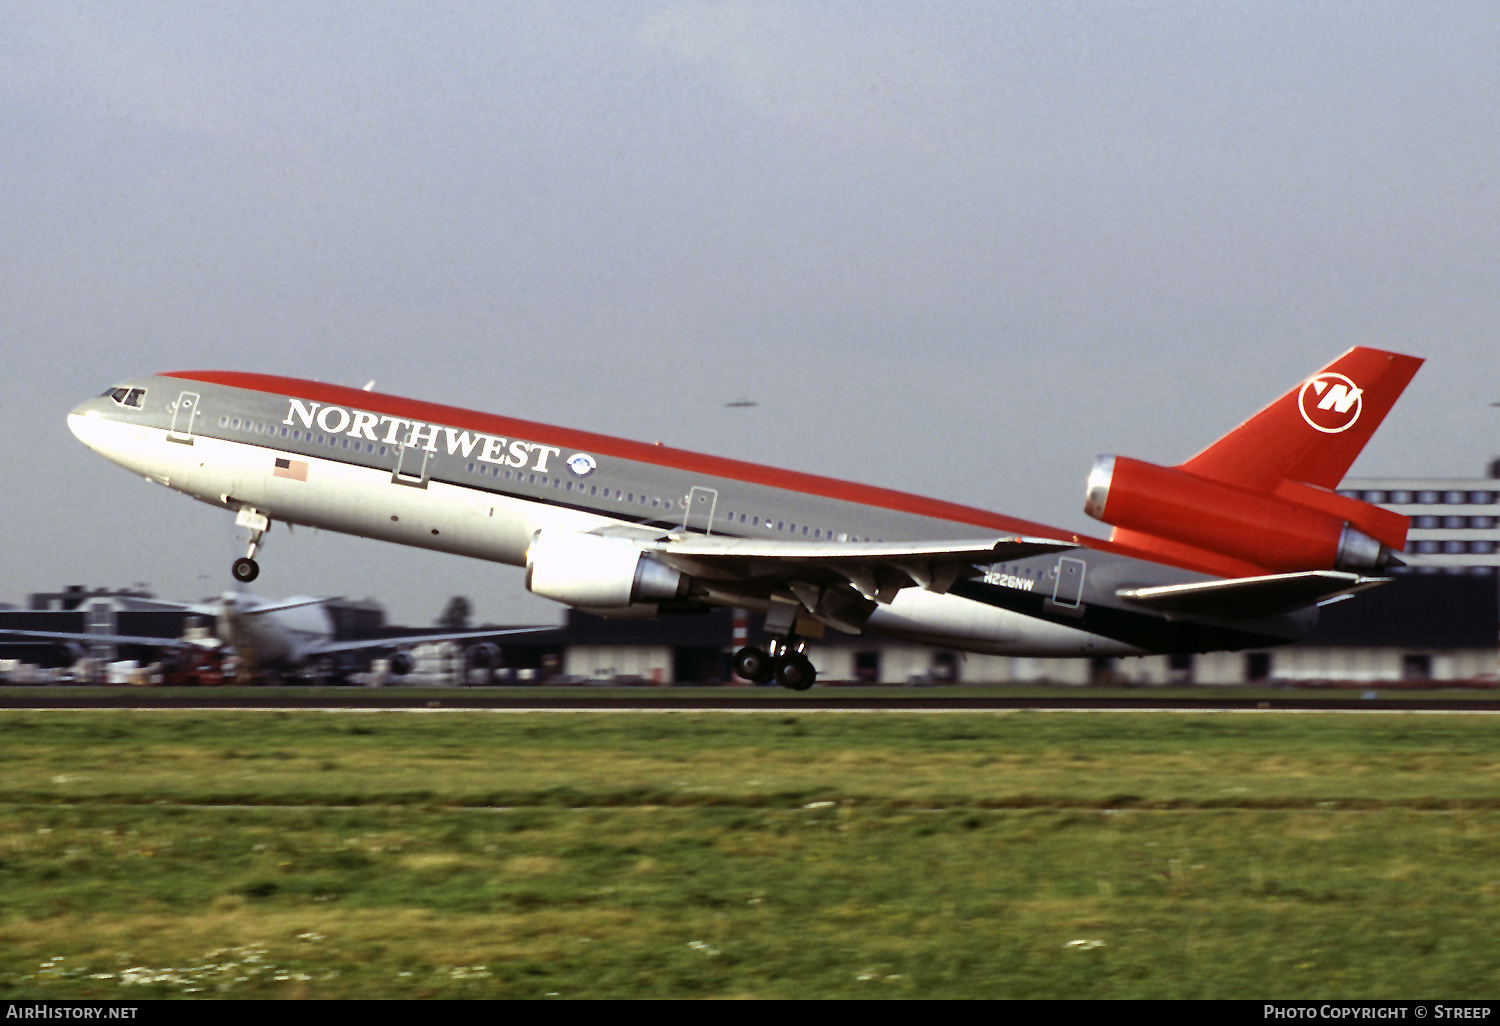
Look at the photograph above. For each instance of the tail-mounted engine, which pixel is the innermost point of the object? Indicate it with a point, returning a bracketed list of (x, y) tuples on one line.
[(596, 572), (1294, 527)]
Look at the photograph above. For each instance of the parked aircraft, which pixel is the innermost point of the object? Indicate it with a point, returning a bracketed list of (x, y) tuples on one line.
[(291, 637), (1235, 548)]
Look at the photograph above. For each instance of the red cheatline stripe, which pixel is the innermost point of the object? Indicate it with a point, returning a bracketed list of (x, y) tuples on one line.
[(605, 445)]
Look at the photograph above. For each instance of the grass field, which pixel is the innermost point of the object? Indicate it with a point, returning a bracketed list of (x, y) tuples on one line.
[(251, 854)]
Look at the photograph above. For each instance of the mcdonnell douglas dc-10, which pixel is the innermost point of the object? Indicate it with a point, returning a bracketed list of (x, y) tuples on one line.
[(1235, 548)]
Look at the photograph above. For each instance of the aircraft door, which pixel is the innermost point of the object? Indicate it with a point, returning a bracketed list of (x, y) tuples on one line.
[(184, 412), (1068, 591), (699, 515), (411, 466)]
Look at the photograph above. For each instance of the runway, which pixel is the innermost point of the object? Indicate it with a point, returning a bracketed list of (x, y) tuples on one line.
[(750, 699)]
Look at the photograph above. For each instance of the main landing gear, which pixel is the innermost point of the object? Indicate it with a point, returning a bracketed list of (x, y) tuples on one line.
[(246, 569), (786, 663)]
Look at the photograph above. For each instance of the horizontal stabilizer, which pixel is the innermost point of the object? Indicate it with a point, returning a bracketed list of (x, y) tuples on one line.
[(1250, 597)]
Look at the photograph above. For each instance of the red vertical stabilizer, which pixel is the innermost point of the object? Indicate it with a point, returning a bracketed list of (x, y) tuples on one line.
[(1313, 433)]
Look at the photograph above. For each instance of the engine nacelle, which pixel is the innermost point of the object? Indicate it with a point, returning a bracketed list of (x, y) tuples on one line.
[(594, 571), (639, 611), (483, 656), (402, 662), (1257, 527)]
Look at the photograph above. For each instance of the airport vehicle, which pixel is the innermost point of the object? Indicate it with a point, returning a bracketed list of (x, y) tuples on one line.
[(1235, 548), (293, 637)]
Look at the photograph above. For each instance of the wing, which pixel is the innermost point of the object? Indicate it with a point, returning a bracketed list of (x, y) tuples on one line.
[(177, 644), (282, 606), (408, 640), (1251, 597), (837, 583)]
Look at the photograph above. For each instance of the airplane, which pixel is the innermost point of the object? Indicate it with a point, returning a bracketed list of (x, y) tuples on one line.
[(290, 637), (1237, 547)]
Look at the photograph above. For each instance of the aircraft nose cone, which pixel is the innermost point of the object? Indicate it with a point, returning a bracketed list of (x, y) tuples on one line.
[(92, 426), (76, 422)]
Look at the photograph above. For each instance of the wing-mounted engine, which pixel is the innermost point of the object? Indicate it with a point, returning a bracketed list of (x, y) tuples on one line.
[(597, 572), (484, 656), (1295, 527)]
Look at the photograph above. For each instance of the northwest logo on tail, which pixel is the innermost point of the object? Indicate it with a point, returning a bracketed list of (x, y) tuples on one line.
[(1330, 402)]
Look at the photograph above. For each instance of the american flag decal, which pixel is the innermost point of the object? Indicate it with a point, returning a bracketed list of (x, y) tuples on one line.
[(293, 470)]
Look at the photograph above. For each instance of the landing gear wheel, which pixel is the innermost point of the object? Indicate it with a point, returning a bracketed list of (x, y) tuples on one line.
[(752, 664), (246, 569), (795, 671)]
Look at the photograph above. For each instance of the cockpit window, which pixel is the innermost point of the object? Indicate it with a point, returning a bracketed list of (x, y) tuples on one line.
[(132, 397)]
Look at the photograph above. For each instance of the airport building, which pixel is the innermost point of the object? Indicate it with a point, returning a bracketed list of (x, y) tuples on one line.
[(1455, 522), (104, 611)]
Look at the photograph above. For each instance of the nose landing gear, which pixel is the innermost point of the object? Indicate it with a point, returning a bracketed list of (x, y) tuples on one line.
[(246, 569)]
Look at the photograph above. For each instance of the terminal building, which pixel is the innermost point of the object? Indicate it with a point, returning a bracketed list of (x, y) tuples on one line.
[(1455, 522)]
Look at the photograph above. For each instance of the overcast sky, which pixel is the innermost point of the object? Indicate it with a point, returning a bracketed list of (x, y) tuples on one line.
[(952, 248)]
